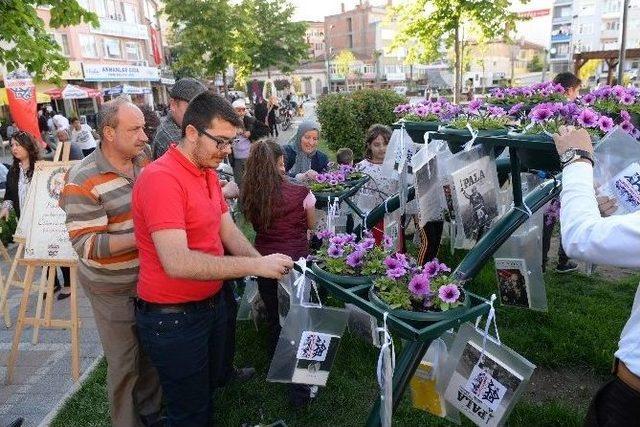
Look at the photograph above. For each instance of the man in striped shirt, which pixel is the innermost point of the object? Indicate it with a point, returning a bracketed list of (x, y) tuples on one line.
[(97, 200)]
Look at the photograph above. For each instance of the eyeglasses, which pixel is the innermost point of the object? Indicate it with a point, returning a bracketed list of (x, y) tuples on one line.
[(221, 143)]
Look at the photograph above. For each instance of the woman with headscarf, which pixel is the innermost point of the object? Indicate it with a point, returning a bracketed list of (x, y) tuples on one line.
[(303, 159)]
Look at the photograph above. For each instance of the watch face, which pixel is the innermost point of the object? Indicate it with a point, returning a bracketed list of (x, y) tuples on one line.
[(567, 155)]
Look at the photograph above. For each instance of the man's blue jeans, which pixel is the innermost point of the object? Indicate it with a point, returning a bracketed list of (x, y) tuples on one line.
[(187, 349)]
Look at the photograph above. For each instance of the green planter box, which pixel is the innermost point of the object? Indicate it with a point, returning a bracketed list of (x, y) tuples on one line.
[(546, 159), (418, 318), (343, 281), (457, 138)]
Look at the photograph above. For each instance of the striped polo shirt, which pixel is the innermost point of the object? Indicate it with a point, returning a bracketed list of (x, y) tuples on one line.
[(97, 200)]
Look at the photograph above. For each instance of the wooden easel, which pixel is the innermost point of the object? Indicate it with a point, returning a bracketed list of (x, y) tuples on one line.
[(13, 278), (49, 266)]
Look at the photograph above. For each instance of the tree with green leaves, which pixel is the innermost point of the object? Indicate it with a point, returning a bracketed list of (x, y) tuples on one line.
[(344, 62), (269, 37), (24, 41), (205, 36), (426, 25)]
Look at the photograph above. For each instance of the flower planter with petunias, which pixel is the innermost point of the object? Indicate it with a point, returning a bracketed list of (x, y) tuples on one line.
[(425, 116), (417, 294), (483, 119), (338, 180), (345, 261), (546, 119), (618, 102), (526, 97)]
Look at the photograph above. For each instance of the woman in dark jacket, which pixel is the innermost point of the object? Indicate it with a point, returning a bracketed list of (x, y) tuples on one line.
[(303, 159)]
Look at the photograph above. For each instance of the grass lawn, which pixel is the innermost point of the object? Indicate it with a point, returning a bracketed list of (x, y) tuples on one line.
[(580, 331)]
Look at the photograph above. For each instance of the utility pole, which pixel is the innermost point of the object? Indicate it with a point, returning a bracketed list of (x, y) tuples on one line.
[(623, 41), (544, 64), (327, 56)]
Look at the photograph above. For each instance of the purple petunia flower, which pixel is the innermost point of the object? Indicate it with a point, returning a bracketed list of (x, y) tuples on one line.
[(396, 273), (435, 267), (625, 116), (338, 240), (588, 118), (474, 106), (627, 99), (516, 109), (449, 293), (392, 262), (606, 124), (541, 113), (335, 251), (355, 259), (589, 99), (420, 285), (366, 244), (618, 91), (324, 234), (626, 126), (496, 111)]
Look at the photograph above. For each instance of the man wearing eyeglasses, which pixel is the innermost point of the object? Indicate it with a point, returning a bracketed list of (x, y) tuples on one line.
[(183, 228)]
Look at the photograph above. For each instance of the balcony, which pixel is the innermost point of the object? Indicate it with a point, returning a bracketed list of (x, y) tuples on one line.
[(561, 19), (563, 2), (559, 57), (559, 38), (607, 35), (111, 27)]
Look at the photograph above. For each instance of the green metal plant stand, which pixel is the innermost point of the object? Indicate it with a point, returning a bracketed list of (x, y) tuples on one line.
[(419, 335)]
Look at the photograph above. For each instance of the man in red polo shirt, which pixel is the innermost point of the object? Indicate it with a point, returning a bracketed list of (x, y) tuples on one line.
[(182, 228)]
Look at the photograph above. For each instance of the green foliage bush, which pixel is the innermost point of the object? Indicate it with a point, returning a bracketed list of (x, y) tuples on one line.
[(345, 118), (8, 228)]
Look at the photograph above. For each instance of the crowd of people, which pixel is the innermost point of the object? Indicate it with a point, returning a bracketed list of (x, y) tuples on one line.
[(159, 250)]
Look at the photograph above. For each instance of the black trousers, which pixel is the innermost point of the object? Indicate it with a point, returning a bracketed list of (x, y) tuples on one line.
[(231, 306), (268, 289), (547, 231), (66, 275), (614, 405), (430, 236), (273, 129)]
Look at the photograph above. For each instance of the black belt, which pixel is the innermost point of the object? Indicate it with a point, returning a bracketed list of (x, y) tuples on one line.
[(186, 307)]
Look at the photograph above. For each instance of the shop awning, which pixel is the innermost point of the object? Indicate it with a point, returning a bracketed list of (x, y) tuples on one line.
[(126, 89), (73, 92), (40, 97)]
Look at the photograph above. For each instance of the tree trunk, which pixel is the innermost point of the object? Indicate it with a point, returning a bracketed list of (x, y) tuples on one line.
[(458, 66), (224, 83), (269, 73)]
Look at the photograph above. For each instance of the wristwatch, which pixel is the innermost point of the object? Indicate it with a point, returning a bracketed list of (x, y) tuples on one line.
[(573, 154)]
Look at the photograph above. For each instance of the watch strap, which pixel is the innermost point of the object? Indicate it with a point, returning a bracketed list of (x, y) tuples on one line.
[(579, 154)]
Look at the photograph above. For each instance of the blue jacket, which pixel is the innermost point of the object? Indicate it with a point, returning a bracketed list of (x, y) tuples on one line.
[(319, 161)]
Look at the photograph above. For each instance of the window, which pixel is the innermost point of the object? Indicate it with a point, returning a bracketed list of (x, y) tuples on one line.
[(612, 25), (133, 51), (129, 12), (349, 26), (63, 42), (350, 41), (88, 45), (587, 8), (611, 6), (101, 8), (585, 29), (112, 48)]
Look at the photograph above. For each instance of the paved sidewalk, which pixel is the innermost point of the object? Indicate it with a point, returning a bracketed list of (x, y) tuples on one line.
[(42, 375)]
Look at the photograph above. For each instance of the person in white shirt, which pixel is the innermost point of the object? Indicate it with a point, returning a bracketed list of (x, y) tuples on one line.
[(60, 122), (82, 136), (614, 240)]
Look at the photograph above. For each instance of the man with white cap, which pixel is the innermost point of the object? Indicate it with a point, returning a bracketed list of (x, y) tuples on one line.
[(170, 129)]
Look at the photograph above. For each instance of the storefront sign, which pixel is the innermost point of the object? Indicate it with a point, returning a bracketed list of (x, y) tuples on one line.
[(74, 72), (167, 77), (116, 73)]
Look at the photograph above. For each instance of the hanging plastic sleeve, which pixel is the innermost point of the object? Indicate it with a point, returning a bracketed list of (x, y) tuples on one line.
[(474, 135), (385, 373), (332, 214), (402, 186), (491, 317), (300, 283)]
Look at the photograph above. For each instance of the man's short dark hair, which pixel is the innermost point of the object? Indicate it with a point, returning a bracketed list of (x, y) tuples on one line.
[(74, 119), (567, 80), (206, 107)]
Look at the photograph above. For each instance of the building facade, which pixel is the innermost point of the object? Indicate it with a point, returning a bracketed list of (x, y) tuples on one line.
[(314, 37), (125, 51)]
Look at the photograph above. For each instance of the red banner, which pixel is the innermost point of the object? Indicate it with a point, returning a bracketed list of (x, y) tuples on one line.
[(21, 93), (155, 46)]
